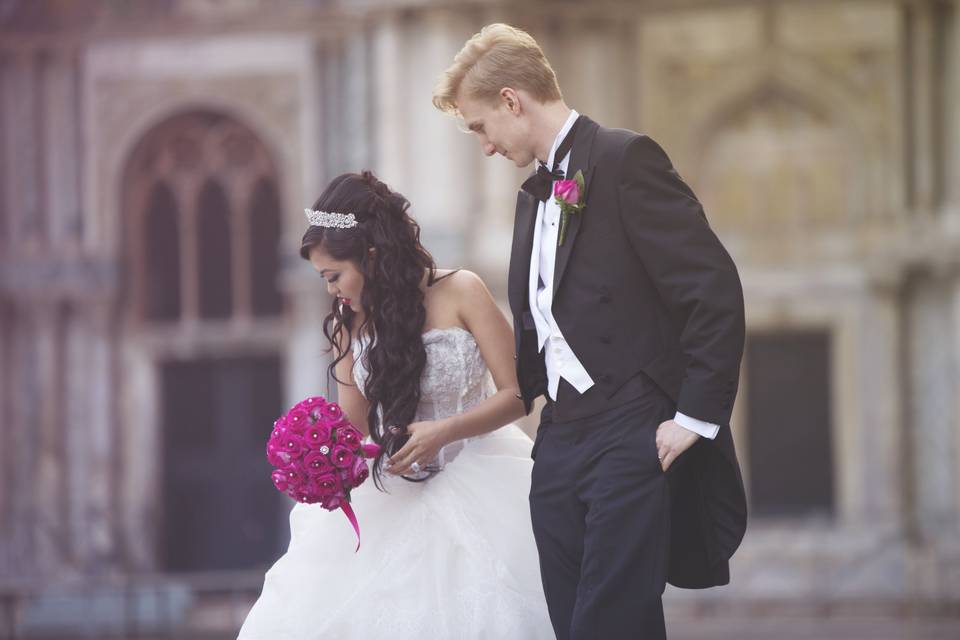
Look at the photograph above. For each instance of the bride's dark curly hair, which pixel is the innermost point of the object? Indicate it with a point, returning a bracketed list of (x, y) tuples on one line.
[(392, 300)]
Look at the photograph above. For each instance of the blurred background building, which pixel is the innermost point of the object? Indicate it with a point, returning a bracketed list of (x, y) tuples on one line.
[(155, 159)]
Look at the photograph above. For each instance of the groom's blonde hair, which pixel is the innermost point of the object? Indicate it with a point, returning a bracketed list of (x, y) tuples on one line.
[(497, 57)]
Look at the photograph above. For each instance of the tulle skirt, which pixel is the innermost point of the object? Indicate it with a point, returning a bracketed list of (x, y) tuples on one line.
[(450, 558)]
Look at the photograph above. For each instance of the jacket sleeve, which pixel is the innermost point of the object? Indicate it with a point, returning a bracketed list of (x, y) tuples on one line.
[(693, 274)]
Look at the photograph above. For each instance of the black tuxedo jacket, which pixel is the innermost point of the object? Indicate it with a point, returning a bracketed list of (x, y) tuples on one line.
[(642, 286)]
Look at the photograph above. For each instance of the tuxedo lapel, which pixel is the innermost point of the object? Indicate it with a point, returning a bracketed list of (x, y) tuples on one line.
[(579, 161), (526, 216)]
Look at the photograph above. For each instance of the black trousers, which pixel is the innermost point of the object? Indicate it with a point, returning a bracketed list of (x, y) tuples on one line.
[(600, 507)]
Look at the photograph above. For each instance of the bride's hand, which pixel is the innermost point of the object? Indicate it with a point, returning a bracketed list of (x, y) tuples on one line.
[(426, 440)]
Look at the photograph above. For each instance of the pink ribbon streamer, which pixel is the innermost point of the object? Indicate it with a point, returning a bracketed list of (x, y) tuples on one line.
[(351, 516)]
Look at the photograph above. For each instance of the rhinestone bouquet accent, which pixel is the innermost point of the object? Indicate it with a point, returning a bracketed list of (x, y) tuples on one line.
[(319, 457)]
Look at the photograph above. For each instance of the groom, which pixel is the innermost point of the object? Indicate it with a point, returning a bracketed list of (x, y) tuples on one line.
[(628, 315)]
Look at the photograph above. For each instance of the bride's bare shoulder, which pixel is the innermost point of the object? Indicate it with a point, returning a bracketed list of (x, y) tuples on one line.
[(455, 290), (458, 282)]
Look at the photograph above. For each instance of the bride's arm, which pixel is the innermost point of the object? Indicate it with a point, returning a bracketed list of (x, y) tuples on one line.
[(348, 396), (483, 318)]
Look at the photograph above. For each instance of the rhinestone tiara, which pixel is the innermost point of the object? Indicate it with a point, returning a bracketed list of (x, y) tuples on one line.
[(330, 219)]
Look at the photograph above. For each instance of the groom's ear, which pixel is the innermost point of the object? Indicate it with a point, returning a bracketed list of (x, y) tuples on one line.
[(511, 100)]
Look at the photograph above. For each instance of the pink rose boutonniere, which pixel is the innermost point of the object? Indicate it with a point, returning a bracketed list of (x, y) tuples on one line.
[(569, 195)]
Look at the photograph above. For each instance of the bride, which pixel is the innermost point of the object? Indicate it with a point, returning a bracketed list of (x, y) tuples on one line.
[(424, 365)]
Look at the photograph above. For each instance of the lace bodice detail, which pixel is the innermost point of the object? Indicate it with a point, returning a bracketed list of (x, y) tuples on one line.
[(454, 380)]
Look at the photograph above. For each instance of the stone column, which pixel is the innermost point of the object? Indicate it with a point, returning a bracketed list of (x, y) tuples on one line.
[(357, 107), (51, 419), (6, 186), (92, 390), (22, 153), (23, 445), (61, 154), (345, 103), (878, 486), (952, 109), (29, 546), (34, 537), (920, 93), (139, 420), (8, 452), (390, 100), (931, 420), (954, 394), (492, 239)]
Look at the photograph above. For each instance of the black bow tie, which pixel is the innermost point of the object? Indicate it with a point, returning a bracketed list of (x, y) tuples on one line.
[(540, 184)]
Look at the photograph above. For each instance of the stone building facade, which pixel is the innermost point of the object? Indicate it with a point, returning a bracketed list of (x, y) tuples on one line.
[(155, 158)]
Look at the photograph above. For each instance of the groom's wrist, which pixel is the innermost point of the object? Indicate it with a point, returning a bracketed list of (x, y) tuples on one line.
[(699, 427)]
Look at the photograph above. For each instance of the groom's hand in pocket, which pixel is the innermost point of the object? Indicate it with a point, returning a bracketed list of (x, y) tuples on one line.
[(672, 441)]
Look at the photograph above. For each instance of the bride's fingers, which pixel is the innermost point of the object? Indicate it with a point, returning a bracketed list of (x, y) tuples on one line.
[(401, 460), (403, 452), (400, 469)]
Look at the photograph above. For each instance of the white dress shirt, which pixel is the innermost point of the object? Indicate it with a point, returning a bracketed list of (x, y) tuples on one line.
[(560, 360)]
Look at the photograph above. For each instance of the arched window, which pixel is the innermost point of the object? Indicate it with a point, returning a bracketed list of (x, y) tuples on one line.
[(205, 247)]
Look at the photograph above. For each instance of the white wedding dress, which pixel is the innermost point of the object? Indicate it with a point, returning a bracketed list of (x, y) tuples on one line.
[(451, 558)]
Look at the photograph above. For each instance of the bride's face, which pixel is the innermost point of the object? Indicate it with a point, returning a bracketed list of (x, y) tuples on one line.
[(344, 280)]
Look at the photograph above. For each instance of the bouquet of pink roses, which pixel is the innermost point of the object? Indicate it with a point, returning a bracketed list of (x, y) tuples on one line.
[(319, 456)]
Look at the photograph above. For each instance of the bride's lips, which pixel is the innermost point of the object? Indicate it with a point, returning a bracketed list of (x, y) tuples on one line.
[(345, 301)]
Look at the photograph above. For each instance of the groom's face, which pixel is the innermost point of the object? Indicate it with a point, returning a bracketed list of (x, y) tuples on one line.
[(500, 127)]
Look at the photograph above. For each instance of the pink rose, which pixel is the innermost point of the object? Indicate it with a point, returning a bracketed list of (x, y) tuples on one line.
[(289, 478), (342, 456), (568, 191), (328, 485), (279, 426), (349, 436), (342, 422), (332, 412), (310, 403), (313, 407), (359, 472), (298, 420), (317, 435), (371, 449), (293, 445), (279, 478), (317, 462), (276, 454)]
